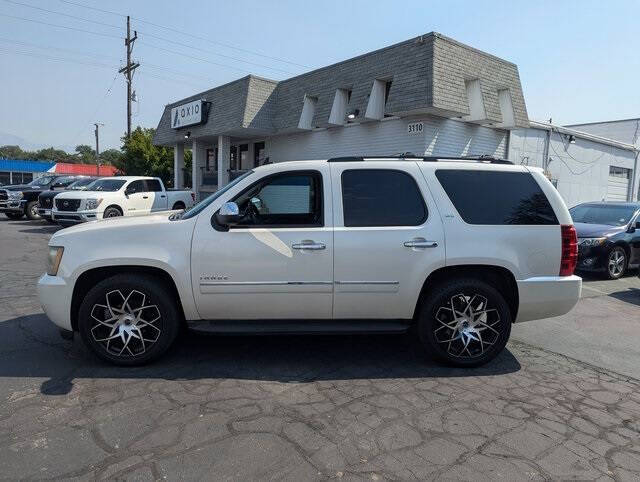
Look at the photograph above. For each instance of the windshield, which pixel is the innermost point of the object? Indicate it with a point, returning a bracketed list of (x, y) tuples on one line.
[(608, 214), (81, 184), (108, 185), (42, 181), (197, 209)]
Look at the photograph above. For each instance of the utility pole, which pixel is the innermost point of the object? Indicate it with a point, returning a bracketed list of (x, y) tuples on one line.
[(128, 70), (97, 147)]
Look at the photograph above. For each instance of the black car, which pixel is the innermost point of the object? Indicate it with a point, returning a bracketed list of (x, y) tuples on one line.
[(45, 200), (20, 200), (608, 237)]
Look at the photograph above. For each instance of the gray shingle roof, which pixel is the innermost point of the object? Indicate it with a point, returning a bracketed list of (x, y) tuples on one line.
[(427, 75)]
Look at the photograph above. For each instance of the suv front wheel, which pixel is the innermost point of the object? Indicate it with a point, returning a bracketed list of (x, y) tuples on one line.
[(128, 319), (464, 322)]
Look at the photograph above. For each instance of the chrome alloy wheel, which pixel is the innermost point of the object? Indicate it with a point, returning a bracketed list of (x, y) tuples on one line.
[(34, 210), (467, 326), (616, 263), (125, 326)]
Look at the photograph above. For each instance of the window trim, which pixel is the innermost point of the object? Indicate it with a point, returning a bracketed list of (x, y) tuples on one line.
[(315, 174), (425, 217)]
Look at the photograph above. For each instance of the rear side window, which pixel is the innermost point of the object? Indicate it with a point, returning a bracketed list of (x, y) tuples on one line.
[(153, 185), (381, 197), (494, 197)]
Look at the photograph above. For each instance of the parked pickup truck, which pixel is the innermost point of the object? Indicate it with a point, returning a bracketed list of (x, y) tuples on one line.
[(118, 196), (45, 200), (453, 251), (20, 200)]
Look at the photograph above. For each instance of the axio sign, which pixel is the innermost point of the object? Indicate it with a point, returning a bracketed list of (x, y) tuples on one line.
[(187, 114)]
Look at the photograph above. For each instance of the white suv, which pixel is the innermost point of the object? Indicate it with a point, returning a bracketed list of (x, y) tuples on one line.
[(456, 250)]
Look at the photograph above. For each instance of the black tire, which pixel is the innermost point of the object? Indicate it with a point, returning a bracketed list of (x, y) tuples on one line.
[(178, 205), (14, 216), (616, 264), (111, 212), (31, 210), (440, 334), (118, 340)]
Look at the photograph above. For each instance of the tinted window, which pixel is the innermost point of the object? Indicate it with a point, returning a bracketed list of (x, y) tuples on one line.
[(381, 197), (108, 185), (153, 185), (290, 199), (609, 214), (494, 197), (136, 186)]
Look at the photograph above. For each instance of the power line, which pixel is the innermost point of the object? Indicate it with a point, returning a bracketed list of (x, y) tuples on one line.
[(182, 54), (92, 54), (62, 14), (60, 26), (171, 29), (55, 12), (214, 53), (55, 59)]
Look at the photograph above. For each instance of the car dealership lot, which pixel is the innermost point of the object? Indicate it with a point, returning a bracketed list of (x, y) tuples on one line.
[(317, 407)]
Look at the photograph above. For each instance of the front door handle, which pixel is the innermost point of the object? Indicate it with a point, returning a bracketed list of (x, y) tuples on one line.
[(145, 197), (309, 244), (420, 243)]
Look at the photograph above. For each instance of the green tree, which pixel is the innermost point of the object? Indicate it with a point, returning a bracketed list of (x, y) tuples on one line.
[(52, 154), (111, 156), (141, 158), (85, 153), (12, 152)]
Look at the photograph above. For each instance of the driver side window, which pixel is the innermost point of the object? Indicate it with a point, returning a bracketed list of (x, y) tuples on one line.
[(290, 199)]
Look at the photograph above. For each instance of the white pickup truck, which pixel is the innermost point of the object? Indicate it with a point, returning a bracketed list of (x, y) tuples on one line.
[(111, 197), (453, 251)]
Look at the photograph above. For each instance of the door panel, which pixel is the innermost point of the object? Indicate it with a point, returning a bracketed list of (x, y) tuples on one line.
[(380, 270), (265, 272)]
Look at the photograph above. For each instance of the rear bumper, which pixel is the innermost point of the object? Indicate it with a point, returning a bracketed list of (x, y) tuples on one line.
[(547, 296)]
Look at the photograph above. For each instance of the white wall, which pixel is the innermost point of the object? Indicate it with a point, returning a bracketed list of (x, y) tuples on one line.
[(441, 136), (581, 169)]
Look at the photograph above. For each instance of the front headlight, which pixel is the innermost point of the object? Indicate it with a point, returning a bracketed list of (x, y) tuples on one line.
[(53, 260), (93, 203), (15, 195), (588, 242)]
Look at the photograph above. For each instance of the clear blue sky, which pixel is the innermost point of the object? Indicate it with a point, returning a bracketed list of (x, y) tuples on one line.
[(578, 60)]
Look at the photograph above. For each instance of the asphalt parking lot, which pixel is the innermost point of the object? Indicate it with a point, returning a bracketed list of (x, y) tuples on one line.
[(562, 402)]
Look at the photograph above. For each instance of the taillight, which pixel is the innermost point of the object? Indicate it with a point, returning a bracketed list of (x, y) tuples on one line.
[(569, 250)]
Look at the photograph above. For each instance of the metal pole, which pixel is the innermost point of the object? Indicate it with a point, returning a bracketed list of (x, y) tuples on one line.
[(97, 147)]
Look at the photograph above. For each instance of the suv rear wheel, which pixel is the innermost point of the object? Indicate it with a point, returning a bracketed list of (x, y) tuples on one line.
[(128, 319), (464, 322)]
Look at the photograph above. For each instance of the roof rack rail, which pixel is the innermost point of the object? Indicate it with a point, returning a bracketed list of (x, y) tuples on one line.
[(411, 157)]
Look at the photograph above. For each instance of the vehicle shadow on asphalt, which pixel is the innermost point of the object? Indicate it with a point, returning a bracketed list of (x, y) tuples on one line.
[(631, 295), (30, 347), (34, 227)]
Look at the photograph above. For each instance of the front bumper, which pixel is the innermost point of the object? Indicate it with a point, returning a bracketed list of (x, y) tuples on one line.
[(75, 217), (592, 258), (10, 206), (55, 298), (44, 213), (547, 296)]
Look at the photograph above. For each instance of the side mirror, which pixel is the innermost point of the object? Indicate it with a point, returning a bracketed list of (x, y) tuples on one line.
[(128, 192), (634, 227), (228, 214)]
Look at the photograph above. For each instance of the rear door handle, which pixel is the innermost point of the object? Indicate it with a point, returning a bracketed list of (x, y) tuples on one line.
[(145, 197), (162, 195), (308, 244), (420, 243)]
